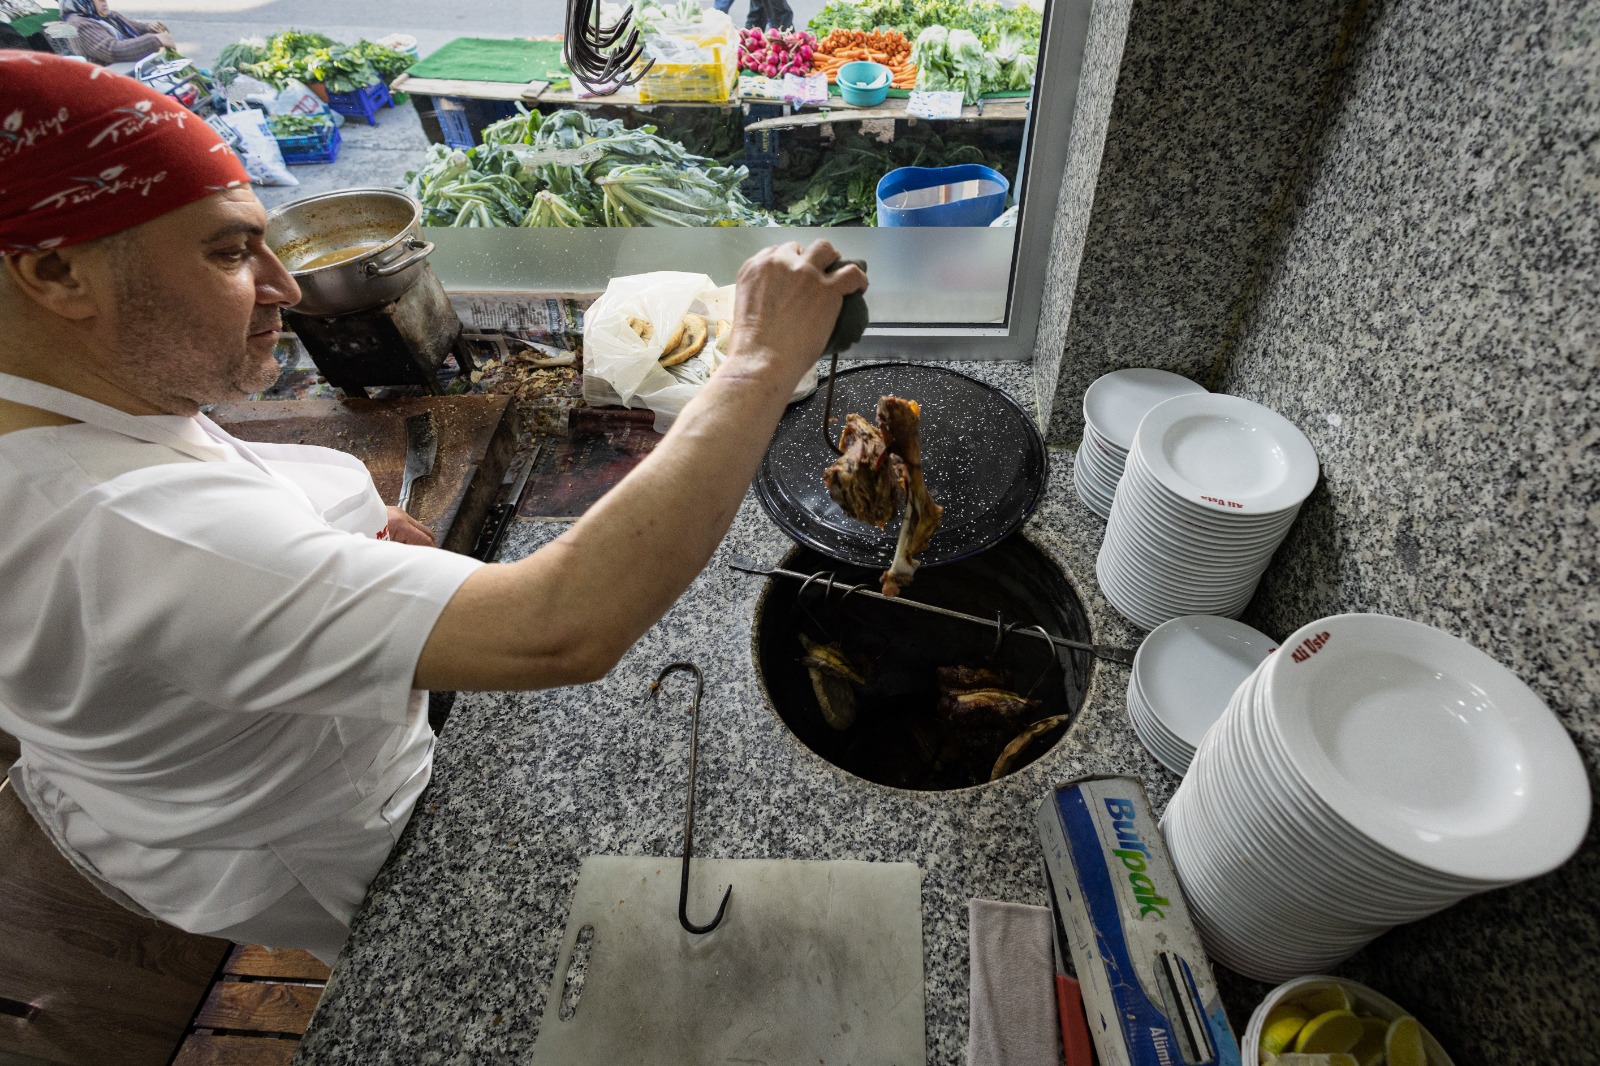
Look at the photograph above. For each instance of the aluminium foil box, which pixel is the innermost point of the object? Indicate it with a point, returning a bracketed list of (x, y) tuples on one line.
[(1147, 985)]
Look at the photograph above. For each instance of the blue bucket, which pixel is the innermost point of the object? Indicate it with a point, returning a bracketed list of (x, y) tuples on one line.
[(967, 195)]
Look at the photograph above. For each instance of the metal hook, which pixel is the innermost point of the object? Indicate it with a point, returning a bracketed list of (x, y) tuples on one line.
[(850, 590), (1053, 661), (688, 818), (827, 408), (1002, 629), (826, 580)]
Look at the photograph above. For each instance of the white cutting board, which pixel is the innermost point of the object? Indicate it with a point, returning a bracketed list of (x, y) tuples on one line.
[(814, 964)]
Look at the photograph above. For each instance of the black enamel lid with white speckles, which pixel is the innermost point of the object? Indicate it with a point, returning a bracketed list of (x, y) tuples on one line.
[(982, 457)]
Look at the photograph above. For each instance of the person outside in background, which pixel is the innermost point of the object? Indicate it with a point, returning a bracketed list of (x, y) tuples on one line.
[(107, 37), (764, 14), (216, 654)]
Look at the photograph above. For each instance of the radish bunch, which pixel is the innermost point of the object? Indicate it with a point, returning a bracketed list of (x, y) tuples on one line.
[(773, 53)]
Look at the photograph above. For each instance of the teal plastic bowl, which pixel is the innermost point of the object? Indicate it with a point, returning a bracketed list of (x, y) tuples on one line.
[(864, 84)]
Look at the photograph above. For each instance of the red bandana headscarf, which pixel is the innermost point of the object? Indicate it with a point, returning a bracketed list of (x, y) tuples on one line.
[(85, 153)]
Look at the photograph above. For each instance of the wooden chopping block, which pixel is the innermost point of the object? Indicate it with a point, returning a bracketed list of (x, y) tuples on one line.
[(477, 439)]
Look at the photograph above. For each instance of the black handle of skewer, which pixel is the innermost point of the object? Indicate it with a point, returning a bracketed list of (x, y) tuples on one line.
[(847, 329)]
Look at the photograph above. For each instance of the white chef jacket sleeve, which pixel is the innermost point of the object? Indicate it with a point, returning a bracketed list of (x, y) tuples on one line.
[(227, 589)]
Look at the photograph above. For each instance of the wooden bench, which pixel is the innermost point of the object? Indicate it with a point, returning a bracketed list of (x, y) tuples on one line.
[(256, 1012), (83, 981)]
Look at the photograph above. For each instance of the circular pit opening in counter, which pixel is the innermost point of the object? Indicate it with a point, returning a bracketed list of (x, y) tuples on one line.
[(915, 700)]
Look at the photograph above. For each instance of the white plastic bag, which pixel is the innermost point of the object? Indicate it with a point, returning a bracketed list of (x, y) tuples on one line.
[(619, 367), (805, 90), (295, 99), (247, 134)]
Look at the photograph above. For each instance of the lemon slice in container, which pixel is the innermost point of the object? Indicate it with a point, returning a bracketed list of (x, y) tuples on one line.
[(1335, 1030), (1283, 1025), (1403, 1043), (1322, 1000), (1369, 1050)]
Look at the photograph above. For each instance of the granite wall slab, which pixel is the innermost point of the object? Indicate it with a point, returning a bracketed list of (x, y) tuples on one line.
[(1192, 120), (1432, 320)]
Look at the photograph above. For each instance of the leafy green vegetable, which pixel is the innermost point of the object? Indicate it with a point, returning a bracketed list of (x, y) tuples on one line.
[(1004, 36), (655, 195), (568, 169), (985, 18), (551, 210), (837, 185), (954, 61), (312, 57), (297, 125), (240, 53), (1021, 74), (341, 68), (388, 62)]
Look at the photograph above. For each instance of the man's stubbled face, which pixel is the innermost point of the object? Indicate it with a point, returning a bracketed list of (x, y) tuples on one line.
[(197, 297)]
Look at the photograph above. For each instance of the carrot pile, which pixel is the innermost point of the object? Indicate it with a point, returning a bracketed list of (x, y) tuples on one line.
[(888, 47)]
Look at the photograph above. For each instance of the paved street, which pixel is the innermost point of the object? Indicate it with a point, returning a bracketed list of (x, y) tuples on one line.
[(371, 155)]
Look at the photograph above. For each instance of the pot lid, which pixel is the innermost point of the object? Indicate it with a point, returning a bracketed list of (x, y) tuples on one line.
[(982, 457)]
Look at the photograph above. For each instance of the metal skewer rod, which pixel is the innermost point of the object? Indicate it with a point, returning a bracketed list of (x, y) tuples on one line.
[(829, 583)]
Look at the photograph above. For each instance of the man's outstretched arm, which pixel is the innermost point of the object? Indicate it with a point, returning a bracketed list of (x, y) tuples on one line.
[(567, 613)]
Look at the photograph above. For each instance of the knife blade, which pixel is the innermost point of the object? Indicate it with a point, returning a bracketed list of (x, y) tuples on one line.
[(422, 448), (499, 516)]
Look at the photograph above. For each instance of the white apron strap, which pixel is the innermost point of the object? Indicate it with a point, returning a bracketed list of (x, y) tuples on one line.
[(82, 409)]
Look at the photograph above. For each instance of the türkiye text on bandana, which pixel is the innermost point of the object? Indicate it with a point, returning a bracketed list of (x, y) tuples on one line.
[(85, 153)]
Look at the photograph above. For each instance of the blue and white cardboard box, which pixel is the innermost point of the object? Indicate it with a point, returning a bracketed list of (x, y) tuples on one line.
[(1147, 986)]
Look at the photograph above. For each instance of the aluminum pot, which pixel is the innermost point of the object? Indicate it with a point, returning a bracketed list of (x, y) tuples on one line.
[(350, 250)]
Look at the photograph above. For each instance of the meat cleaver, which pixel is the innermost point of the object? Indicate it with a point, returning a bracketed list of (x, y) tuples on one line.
[(422, 448)]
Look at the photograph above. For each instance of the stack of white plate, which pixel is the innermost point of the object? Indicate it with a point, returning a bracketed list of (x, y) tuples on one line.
[(1211, 486), (1112, 410), (1372, 772), (1183, 676)]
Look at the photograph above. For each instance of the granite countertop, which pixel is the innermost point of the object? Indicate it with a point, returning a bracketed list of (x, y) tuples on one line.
[(454, 951)]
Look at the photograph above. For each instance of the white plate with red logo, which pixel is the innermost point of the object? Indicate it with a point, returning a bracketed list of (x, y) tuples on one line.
[(1429, 747), (1161, 506), (1227, 453)]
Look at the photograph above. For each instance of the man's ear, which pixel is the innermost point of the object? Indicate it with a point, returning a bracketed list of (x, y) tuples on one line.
[(69, 282)]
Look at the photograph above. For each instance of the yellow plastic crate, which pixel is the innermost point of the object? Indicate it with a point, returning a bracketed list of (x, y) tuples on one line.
[(705, 82)]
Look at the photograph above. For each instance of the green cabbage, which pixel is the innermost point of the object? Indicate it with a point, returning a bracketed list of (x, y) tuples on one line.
[(1022, 72)]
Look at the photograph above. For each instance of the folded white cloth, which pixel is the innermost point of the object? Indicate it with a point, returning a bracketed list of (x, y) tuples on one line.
[(1013, 998)]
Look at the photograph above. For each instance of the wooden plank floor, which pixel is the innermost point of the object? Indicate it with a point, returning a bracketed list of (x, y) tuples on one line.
[(256, 1011)]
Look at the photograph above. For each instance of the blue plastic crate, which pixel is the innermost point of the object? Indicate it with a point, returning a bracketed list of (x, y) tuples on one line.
[(363, 103), (454, 124), (757, 187), (461, 120), (761, 147), (311, 147)]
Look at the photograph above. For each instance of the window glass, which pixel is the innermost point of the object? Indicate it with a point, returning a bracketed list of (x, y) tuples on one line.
[(604, 186)]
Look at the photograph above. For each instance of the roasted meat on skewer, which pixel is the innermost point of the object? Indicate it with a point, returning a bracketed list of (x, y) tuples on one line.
[(900, 420), (833, 674), (967, 678), (986, 705), (880, 469), (867, 481)]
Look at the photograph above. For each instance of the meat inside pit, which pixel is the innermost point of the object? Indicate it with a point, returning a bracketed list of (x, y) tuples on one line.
[(880, 469)]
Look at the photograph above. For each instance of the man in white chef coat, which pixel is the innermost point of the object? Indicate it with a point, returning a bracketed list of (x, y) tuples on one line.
[(216, 654)]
